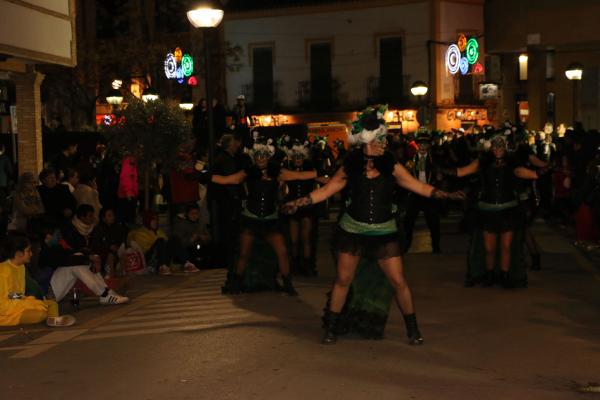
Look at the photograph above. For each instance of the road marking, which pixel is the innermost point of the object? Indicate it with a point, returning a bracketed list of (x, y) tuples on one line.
[(162, 322), (6, 337), (237, 322)]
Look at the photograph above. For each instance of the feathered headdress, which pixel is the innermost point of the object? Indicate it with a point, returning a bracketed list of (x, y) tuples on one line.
[(262, 147), (369, 125), (294, 149)]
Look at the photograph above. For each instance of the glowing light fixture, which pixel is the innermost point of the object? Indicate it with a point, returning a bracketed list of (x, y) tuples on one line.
[(574, 72), (464, 66), (187, 65), (150, 95), (419, 88), (114, 97), (116, 84), (205, 15)]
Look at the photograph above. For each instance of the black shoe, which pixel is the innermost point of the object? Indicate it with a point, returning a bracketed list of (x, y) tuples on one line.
[(505, 281), (309, 267), (536, 263), (233, 285), (288, 287), (488, 279), (331, 321), (412, 330)]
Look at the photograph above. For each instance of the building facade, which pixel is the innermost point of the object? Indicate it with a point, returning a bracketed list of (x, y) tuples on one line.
[(303, 57), (532, 43), (32, 33)]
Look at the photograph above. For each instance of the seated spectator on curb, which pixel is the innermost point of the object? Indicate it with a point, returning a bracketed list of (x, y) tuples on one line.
[(69, 266), (189, 238), (153, 242), (28, 208), (86, 192), (71, 179), (58, 201), (16, 306), (77, 234), (108, 239)]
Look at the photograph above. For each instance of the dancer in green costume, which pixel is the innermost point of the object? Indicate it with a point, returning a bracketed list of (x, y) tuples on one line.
[(260, 219), (368, 226), (499, 236)]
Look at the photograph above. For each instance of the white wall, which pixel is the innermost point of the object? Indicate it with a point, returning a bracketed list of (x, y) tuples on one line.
[(355, 57), (24, 30)]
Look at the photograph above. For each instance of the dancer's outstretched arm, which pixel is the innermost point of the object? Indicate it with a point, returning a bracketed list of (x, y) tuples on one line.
[(409, 182), (289, 175), (233, 179), (526, 173), (336, 184)]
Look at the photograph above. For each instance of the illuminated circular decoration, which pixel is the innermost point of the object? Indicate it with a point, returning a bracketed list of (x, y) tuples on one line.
[(453, 59), (107, 120), (478, 68), (178, 54), (187, 65), (179, 75), (192, 81), (464, 65), (170, 66), (472, 51), (462, 42)]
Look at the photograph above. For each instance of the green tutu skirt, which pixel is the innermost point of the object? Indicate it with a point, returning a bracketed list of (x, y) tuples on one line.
[(261, 271), (368, 304), (476, 265)]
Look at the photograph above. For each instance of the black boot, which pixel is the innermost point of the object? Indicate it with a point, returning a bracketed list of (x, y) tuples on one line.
[(331, 321), (488, 279), (288, 287), (536, 263), (505, 280), (412, 330), (233, 284), (296, 265), (309, 267)]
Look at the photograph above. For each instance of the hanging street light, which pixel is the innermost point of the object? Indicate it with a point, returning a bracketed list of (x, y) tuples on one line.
[(205, 15), (419, 88), (114, 97), (574, 72), (150, 95)]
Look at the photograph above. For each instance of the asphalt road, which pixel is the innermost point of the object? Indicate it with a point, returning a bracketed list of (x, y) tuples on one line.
[(180, 339)]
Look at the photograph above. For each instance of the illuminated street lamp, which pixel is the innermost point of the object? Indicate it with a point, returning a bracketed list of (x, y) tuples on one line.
[(419, 89), (207, 15), (150, 95), (186, 104), (574, 73), (114, 97)]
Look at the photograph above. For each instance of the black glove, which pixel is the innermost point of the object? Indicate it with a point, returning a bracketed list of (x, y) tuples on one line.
[(204, 177)]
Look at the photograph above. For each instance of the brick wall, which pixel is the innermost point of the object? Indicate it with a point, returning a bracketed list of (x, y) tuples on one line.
[(29, 121)]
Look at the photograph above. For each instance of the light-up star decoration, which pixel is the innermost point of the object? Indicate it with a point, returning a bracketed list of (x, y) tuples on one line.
[(179, 66), (463, 55)]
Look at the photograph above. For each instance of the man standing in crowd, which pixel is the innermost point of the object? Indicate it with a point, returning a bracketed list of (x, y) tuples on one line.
[(227, 197), (423, 168)]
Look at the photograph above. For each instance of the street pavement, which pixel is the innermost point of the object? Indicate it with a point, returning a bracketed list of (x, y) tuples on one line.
[(181, 339)]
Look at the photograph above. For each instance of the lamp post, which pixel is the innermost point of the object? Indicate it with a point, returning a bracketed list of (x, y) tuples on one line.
[(419, 89), (574, 73), (207, 15)]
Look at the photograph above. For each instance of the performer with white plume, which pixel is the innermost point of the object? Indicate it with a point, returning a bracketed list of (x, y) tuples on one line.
[(368, 226), (260, 215)]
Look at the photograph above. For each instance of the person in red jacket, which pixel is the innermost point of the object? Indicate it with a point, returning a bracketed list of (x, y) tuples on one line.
[(128, 190)]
